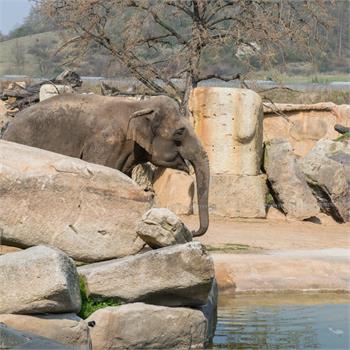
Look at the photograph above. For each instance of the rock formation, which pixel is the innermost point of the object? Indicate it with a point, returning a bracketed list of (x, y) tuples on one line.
[(38, 280), (160, 227), (327, 171), (179, 275), (87, 210), (288, 183)]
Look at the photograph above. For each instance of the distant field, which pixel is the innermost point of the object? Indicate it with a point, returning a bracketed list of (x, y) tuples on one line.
[(9, 49)]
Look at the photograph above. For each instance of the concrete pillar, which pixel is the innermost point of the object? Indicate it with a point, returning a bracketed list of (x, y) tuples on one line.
[(229, 123)]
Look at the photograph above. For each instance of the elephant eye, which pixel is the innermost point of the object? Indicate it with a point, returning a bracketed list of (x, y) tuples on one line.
[(177, 143)]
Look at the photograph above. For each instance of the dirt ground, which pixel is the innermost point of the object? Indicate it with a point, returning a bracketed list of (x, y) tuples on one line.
[(278, 256), (274, 235)]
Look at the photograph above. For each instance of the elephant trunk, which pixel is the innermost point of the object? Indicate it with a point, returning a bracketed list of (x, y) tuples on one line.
[(199, 159)]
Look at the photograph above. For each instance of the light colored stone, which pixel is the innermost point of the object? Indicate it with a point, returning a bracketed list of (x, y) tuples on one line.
[(327, 171), (237, 196), (142, 326), (316, 270), (228, 122), (13, 339), (160, 228), (143, 175), (275, 214), (174, 189), (87, 210), (287, 181), (303, 125), (68, 329), (4, 118), (172, 276), (50, 90), (4, 249), (37, 280)]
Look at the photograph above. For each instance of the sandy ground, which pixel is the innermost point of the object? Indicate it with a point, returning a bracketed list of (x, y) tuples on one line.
[(278, 256), (273, 234)]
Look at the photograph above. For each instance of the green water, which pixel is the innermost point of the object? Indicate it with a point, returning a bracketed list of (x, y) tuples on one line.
[(304, 321)]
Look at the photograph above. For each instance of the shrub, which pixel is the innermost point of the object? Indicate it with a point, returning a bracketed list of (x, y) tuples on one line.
[(90, 305)]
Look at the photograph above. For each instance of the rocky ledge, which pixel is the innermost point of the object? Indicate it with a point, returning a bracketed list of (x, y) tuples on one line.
[(59, 209)]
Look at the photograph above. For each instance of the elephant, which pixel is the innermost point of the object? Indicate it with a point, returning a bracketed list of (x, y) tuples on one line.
[(116, 132)]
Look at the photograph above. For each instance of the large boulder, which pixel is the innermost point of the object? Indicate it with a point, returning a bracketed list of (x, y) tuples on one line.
[(174, 189), (177, 275), (327, 171), (11, 338), (68, 329), (237, 196), (142, 326), (36, 280), (229, 122), (87, 210), (288, 182), (160, 228)]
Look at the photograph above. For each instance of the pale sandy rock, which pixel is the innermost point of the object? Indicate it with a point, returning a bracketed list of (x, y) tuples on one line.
[(160, 228), (178, 275), (87, 210), (228, 122), (38, 280), (142, 326), (303, 125), (327, 171), (4, 118), (50, 90), (174, 190), (287, 181), (300, 270), (325, 219), (143, 175), (275, 214), (68, 329), (343, 113), (11, 338), (238, 196), (5, 249)]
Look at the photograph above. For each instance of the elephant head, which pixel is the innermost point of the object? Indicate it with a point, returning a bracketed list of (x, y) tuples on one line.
[(169, 139)]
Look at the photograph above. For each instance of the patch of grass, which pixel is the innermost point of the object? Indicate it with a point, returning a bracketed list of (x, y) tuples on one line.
[(89, 305), (229, 248), (269, 199), (343, 137)]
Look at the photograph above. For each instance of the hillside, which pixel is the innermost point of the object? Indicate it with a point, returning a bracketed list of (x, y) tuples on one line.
[(14, 56)]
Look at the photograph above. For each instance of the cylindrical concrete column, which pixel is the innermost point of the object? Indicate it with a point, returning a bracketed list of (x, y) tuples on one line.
[(229, 123)]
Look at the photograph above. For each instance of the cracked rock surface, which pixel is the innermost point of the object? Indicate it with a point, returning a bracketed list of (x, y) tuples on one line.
[(173, 276), (86, 210), (161, 228), (38, 280)]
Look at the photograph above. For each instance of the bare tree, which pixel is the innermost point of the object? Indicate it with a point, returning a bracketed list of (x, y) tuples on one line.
[(160, 40)]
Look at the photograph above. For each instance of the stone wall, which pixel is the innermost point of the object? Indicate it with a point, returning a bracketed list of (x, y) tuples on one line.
[(303, 125)]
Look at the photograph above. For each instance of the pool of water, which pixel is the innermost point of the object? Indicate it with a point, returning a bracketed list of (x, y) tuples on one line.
[(301, 321)]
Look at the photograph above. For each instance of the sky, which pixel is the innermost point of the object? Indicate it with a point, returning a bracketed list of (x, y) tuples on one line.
[(12, 13)]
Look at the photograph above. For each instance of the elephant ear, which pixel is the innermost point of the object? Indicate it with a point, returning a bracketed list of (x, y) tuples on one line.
[(142, 127)]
